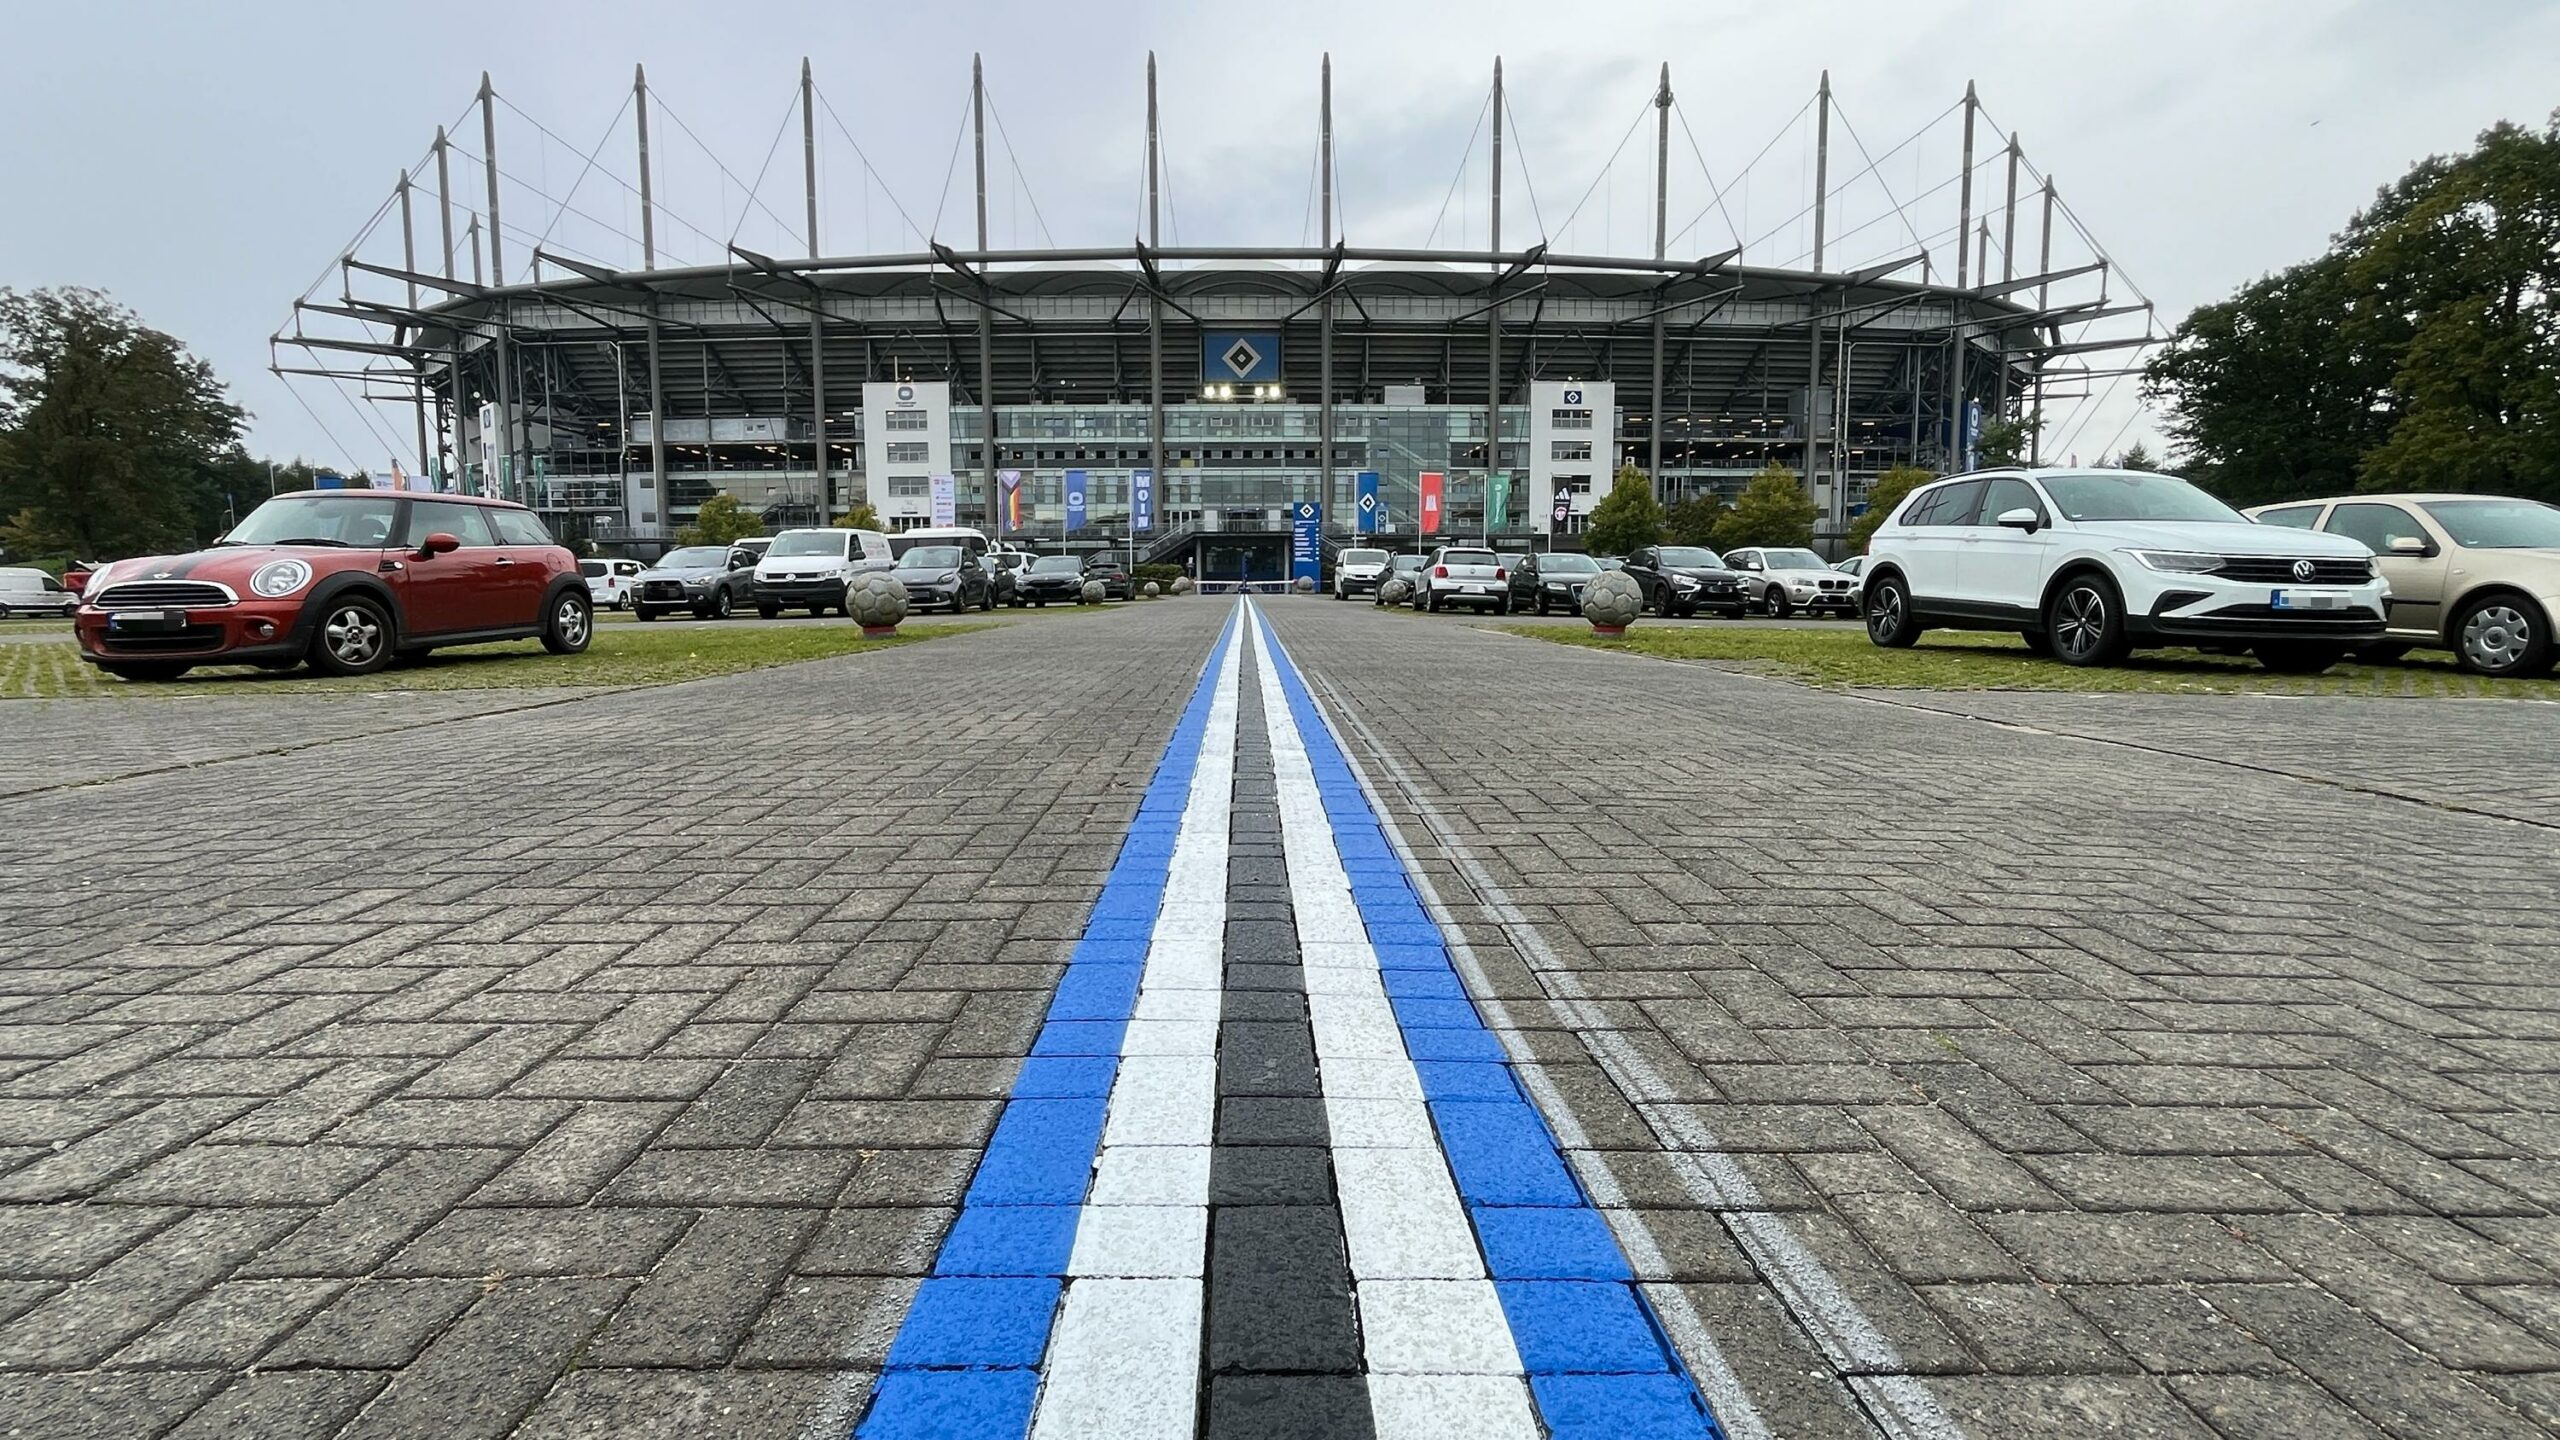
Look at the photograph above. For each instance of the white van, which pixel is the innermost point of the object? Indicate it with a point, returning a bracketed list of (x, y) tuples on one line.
[(609, 581), (971, 540), (33, 592), (814, 568)]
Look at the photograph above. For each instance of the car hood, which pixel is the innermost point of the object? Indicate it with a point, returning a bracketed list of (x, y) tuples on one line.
[(683, 572), (913, 574), (1360, 567), (1825, 573), (230, 565), (1702, 572), (2222, 538), (1052, 577)]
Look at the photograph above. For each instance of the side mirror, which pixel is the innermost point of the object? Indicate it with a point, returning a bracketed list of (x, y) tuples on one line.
[(441, 542), (2022, 518), (740, 562), (2411, 545)]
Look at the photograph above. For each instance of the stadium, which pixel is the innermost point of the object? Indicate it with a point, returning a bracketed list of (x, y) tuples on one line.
[(1195, 401)]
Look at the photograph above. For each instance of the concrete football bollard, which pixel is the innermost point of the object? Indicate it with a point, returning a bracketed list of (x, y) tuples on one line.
[(1182, 585), (879, 603), (1093, 593), (1612, 602), (1152, 591), (1304, 585), (1396, 591)]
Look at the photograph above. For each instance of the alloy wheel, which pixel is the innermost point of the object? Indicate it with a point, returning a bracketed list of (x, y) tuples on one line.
[(1884, 616), (2080, 621), (571, 623), (2496, 637), (353, 636)]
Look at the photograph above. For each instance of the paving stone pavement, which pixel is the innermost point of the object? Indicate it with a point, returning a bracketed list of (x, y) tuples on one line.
[(613, 1067)]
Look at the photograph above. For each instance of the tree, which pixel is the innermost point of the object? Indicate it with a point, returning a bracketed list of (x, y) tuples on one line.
[(860, 517), (2005, 442), (1883, 498), (2420, 351), (2136, 456), (1693, 521), (720, 520), (110, 431), (1627, 518), (1773, 510)]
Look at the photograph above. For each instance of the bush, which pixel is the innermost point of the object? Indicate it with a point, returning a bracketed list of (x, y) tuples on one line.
[(1627, 518), (1773, 510), (1163, 575), (720, 520)]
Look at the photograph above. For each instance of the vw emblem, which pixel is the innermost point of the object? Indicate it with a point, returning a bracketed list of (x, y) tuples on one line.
[(2304, 569)]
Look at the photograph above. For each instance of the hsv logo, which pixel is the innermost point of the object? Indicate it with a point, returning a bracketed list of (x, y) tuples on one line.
[(1573, 397), (2304, 569), (1369, 502), (1241, 357)]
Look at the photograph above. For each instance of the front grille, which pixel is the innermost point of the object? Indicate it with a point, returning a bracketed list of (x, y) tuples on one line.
[(192, 639), (663, 590), (1835, 584), (2356, 614), (2279, 570), (164, 595)]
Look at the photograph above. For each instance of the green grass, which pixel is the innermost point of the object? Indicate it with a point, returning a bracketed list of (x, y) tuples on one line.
[(1958, 661), (619, 656)]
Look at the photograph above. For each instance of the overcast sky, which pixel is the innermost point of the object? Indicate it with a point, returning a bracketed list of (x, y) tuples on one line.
[(205, 163)]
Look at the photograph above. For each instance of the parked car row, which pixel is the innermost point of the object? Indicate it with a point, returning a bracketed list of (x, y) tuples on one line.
[(2089, 565), (815, 568), (1677, 580)]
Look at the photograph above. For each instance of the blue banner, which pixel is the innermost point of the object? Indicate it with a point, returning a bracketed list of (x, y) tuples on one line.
[(1366, 518), (1972, 431), (1075, 501), (1142, 500), (1306, 542), (1240, 357)]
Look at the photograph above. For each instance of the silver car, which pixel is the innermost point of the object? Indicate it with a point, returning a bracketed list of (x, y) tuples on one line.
[(1780, 580), (1463, 575)]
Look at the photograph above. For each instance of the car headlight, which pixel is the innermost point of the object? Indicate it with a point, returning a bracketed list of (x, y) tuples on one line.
[(2177, 562), (278, 578), (946, 577), (698, 582), (1684, 582)]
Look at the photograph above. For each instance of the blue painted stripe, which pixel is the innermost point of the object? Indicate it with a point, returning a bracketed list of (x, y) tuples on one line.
[(1597, 1358), (965, 1364)]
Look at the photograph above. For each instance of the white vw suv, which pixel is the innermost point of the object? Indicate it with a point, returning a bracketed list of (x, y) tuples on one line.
[(2089, 564)]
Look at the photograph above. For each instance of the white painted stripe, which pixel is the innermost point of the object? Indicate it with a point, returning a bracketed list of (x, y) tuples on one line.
[(1897, 1402), (1425, 1301), (1124, 1359)]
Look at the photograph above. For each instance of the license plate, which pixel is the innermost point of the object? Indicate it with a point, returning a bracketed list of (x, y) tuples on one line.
[(2307, 599), (146, 621)]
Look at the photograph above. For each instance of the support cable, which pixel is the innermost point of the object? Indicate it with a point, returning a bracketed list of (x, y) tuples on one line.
[(1463, 157), (867, 166), (708, 153), (1019, 178), (1718, 198), (754, 197), (1523, 151), (949, 168), (343, 452), (563, 207), (1712, 187), (1608, 165)]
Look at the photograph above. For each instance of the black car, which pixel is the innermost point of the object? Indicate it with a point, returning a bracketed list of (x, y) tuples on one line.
[(944, 576), (1113, 573), (1552, 581), (1051, 577), (709, 580), (1407, 568), (1685, 579), (1005, 569)]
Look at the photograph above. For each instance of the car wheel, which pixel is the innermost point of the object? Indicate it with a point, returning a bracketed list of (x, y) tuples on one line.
[(1683, 612), (817, 612), (1773, 602), (986, 601), (353, 637), (1502, 606), (147, 671), (2085, 619), (2502, 635), (1890, 621), (2299, 658), (722, 602), (768, 611), (569, 626), (2038, 642), (1542, 604), (645, 613)]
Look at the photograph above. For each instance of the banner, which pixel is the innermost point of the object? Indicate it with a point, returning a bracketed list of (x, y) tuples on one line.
[(1239, 356), (1972, 430), (1564, 512), (1142, 500), (1075, 501), (946, 500), (1011, 481), (1497, 501), (1430, 502), (1365, 511), (1306, 542)]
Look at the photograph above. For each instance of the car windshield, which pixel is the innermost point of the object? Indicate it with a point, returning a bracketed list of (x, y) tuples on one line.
[(359, 521), (1408, 562), (1364, 557), (1566, 565), (1056, 565), (807, 542), (931, 557), (695, 557), (1684, 557), (1103, 562), (2159, 498), (2498, 524), (1793, 560)]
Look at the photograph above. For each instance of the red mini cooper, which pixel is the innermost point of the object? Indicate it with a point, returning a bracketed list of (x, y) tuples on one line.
[(348, 580)]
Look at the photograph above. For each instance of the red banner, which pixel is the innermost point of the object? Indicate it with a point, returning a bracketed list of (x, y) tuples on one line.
[(1430, 502)]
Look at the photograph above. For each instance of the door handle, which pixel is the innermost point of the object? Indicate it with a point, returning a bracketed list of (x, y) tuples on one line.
[(503, 560)]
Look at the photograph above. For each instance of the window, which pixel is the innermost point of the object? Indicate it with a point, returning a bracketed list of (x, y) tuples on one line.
[(1573, 484), (2376, 525), (2292, 517), (467, 523), (519, 527), (910, 452), (1569, 450), (2004, 494), (910, 487), (1954, 504), (904, 420), (1569, 419)]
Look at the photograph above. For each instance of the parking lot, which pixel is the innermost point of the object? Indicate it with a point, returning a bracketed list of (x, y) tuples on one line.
[(1946, 1063)]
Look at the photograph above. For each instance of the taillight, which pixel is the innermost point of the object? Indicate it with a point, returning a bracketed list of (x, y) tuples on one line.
[(1439, 572), (1500, 574)]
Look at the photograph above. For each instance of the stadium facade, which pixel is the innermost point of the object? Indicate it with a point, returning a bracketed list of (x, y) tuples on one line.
[(1049, 393)]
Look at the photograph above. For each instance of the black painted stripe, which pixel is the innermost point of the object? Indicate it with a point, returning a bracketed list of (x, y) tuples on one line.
[(1283, 1354)]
